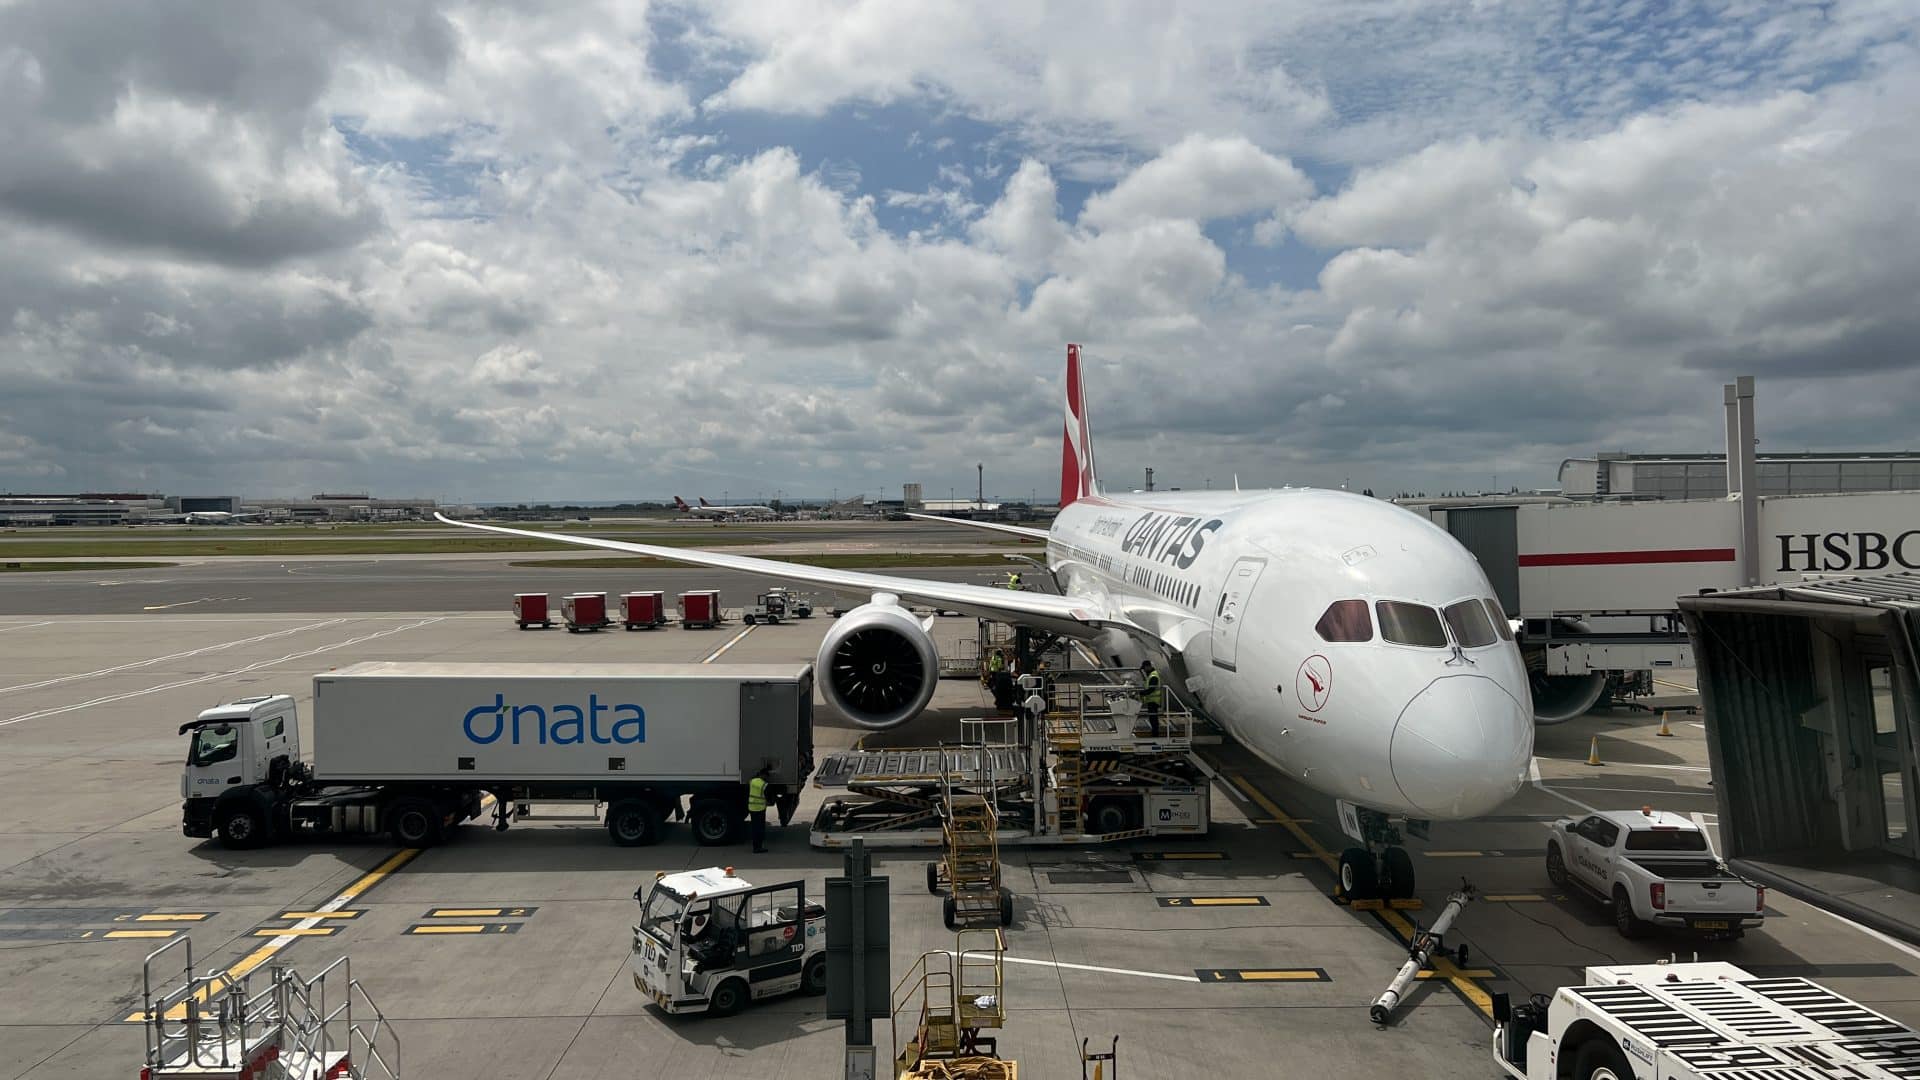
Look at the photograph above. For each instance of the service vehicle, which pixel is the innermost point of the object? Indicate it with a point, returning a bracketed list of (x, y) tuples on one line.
[(709, 941), (1656, 869), (768, 607), (413, 749), (799, 606), (1697, 1021)]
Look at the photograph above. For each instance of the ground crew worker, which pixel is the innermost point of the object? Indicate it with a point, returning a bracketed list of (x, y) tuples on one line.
[(1013, 581), (757, 809), (1151, 696)]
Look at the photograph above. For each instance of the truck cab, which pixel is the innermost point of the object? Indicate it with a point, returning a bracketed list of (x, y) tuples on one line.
[(236, 749), (710, 942)]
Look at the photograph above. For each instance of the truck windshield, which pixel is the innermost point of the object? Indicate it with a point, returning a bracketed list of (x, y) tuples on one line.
[(213, 744), (1666, 840), (663, 907)]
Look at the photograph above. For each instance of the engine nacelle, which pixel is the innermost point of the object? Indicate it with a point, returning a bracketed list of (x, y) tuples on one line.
[(878, 665)]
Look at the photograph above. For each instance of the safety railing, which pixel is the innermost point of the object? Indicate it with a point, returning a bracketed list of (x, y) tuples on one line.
[(1110, 711)]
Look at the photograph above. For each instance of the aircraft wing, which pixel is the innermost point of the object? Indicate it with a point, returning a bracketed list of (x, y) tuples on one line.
[(1016, 530), (1070, 616)]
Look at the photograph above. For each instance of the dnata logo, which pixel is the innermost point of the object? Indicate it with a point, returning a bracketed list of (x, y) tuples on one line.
[(561, 725)]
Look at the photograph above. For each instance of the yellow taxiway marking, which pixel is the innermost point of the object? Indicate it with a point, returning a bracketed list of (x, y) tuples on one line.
[(266, 951), (1211, 901), (1442, 967), (185, 916), (140, 934), (1241, 975), (735, 640), (1470, 973), (298, 915), (297, 931), (465, 912), (456, 928), (1286, 976)]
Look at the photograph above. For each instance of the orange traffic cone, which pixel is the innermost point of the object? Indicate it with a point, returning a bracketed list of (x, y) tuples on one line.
[(1593, 752), (1665, 731)]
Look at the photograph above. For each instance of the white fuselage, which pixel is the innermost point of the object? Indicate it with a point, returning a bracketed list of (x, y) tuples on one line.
[(1236, 583)]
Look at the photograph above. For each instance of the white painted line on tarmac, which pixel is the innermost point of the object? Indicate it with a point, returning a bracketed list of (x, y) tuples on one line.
[(211, 676), (1870, 932), (1533, 772), (25, 626), (1101, 970), (715, 654), (1670, 768), (255, 640), (190, 603)]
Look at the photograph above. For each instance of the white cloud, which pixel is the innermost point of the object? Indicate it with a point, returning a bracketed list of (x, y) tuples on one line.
[(1200, 179)]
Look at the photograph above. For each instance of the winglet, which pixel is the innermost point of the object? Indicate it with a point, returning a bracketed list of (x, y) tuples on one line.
[(1077, 479)]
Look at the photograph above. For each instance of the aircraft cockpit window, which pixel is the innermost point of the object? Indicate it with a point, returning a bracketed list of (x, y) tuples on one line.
[(1470, 625), (1499, 616), (1346, 620), (1412, 624)]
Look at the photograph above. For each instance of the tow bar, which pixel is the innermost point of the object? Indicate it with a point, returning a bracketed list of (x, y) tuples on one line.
[(1420, 952)]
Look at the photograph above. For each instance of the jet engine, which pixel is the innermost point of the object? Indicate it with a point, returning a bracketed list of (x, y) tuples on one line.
[(878, 665), (1560, 698)]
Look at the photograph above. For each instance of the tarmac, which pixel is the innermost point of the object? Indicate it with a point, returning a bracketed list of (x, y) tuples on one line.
[(94, 873)]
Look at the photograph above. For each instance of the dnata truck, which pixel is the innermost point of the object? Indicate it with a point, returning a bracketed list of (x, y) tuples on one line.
[(412, 750), (1699, 1021)]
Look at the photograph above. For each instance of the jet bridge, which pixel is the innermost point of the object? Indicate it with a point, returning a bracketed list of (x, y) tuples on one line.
[(1811, 695), (1089, 769)]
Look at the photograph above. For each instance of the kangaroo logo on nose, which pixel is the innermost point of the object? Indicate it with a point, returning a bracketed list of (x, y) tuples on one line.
[(1314, 683)]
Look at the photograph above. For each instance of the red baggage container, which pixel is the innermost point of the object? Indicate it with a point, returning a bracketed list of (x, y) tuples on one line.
[(585, 611), (701, 607), (530, 608), (643, 610)]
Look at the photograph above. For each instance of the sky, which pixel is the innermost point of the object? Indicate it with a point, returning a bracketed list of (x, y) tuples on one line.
[(746, 249)]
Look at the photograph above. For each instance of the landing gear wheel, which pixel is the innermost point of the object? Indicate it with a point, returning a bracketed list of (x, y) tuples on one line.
[(632, 823), (1597, 1059), (1629, 924), (242, 826), (1357, 875), (933, 878), (950, 914), (1006, 906), (713, 822), (1398, 866), (414, 823), (813, 978), (728, 998), (1556, 867)]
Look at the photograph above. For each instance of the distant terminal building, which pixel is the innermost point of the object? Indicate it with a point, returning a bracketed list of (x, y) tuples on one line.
[(1704, 476), (86, 508), (333, 507), (119, 508)]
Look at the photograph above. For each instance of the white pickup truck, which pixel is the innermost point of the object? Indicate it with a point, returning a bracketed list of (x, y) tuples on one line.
[(1656, 869)]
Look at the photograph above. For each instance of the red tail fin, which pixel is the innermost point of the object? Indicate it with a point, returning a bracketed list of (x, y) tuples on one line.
[(680, 503), (705, 503), (1076, 445)]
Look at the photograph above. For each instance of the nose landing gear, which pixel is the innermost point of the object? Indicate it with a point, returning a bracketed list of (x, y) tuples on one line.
[(1380, 870)]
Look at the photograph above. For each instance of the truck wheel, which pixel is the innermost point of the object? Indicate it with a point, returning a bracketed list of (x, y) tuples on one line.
[(1006, 906), (933, 878), (1356, 875), (632, 823), (1599, 1059), (728, 998), (813, 978), (1629, 924), (414, 823), (1399, 868), (1111, 815), (242, 825), (714, 823), (950, 913), (747, 618), (1556, 867)]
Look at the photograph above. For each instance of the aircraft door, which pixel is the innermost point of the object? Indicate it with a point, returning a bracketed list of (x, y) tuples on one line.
[(1231, 611)]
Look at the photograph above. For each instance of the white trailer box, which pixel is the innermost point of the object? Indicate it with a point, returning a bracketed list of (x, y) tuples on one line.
[(602, 723)]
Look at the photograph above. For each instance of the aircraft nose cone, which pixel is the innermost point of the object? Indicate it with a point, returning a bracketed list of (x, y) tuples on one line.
[(1461, 747)]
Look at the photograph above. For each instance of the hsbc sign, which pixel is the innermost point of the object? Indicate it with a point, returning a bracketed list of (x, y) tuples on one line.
[(1860, 552)]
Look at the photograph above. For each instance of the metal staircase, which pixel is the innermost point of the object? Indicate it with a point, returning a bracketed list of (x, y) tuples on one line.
[(954, 997), (286, 1026)]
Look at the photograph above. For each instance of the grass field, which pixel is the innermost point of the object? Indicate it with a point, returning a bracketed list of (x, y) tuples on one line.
[(867, 561), (10, 566)]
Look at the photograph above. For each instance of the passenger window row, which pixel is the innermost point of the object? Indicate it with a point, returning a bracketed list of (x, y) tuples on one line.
[(1471, 624)]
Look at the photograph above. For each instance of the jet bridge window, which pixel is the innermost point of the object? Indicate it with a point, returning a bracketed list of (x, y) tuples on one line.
[(1470, 625), (1412, 624), (1346, 620)]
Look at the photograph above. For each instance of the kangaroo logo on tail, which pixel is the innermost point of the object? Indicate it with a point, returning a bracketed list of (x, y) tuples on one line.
[(1077, 479)]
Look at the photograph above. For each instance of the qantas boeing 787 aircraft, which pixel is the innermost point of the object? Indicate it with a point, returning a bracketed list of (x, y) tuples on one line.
[(1351, 644)]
